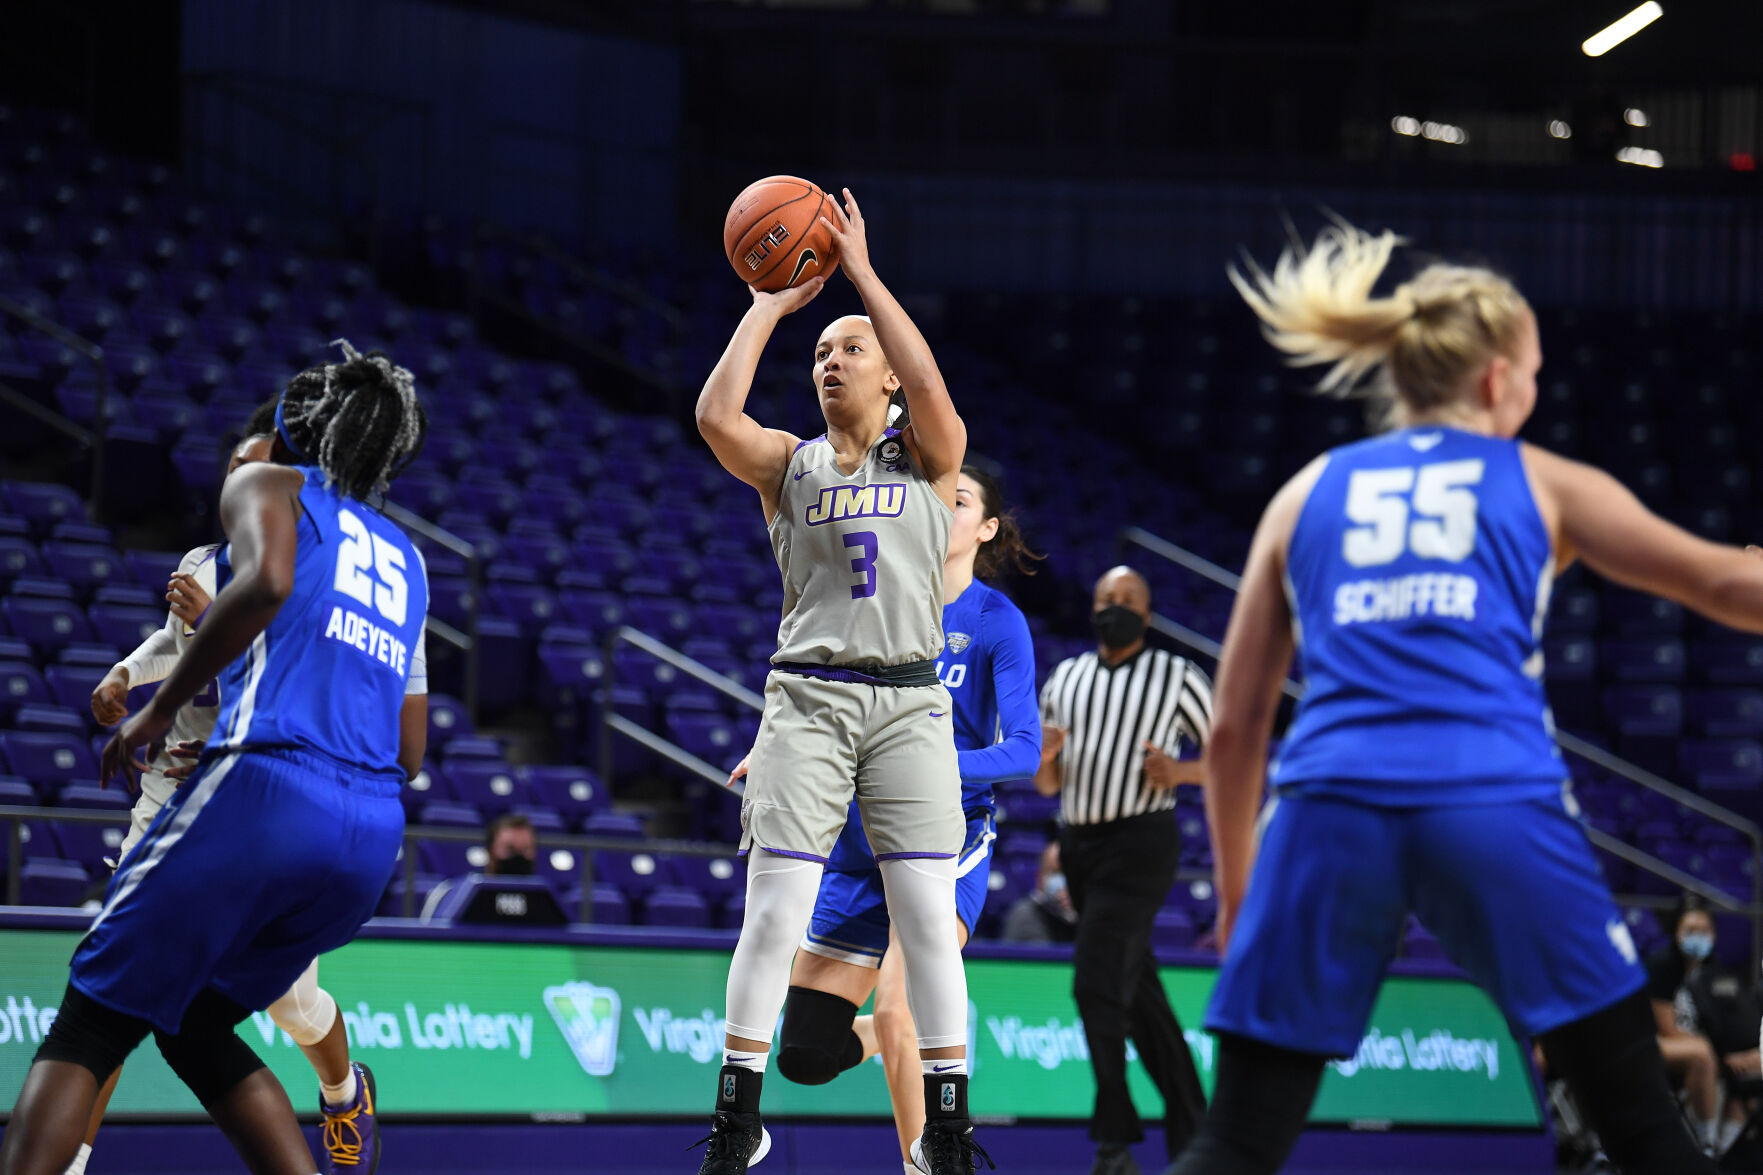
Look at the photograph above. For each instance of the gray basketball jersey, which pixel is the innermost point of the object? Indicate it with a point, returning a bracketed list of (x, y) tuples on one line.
[(861, 557)]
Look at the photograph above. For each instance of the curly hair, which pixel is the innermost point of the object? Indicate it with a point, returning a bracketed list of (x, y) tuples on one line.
[(359, 420)]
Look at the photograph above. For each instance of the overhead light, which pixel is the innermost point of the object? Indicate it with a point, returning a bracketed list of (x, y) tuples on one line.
[(1444, 132), (1640, 157), (1634, 116), (1606, 39), (1403, 125), (1559, 129)]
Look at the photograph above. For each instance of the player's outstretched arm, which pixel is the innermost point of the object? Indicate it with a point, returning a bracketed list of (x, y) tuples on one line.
[(1596, 518), (753, 453), (1251, 673), (937, 434), (259, 508)]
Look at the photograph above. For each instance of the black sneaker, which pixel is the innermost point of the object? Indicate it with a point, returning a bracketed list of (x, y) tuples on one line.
[(736, 1141), (1113, 1158), (947, 1148)]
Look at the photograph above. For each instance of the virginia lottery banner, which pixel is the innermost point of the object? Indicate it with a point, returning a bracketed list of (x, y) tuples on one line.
[(457, 1028)]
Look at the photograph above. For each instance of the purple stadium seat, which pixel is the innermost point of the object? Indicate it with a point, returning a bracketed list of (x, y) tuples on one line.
[(1645, 659), (598, 612), (18, 556), (661, 615), (51, 720), (675, 906), (447, 719), (530, 606), (1654, 710), (152, 568), (620, 824), (94, 798), (46, 623), (472, 746), (1726, 713), (715, 877), (1722, 764), (125, 626), (574, 793), (731, 912), (49, 759), (89, 844), (22, 685), (711, 737), (14, 791), (1172, 930), (489, 785), (1730, 660), (84, 565), (52, 883), (607, 905), (634, 873)]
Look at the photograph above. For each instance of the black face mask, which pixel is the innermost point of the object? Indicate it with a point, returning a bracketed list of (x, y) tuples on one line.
[(515, 866), (1117, 627)]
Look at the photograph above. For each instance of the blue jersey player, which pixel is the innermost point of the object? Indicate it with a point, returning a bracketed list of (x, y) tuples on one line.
[(278, 847), (1410, 574), (988, 668)]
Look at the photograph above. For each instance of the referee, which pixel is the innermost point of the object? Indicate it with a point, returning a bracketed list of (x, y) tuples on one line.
[(1115, 725)]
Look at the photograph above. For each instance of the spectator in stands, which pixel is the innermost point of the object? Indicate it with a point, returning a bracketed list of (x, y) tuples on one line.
[(513, 846), (1707, 1027), (513, 851), (1046, 915), (1116, 724)]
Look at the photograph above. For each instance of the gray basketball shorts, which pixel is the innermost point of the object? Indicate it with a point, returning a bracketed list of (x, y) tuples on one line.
[(821, 741)]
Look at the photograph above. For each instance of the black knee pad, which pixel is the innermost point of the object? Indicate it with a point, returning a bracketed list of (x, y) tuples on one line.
[(206, 1053), (89, 1034), (817, 1042)]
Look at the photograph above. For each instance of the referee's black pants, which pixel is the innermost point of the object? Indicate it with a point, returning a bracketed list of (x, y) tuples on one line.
[(1119, 874)]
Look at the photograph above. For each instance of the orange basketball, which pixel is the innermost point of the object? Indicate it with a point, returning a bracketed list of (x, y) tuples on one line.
[(773, 235)]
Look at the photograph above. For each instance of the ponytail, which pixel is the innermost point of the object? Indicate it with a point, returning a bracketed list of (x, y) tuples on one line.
[(1411, 350), (1006, 550)]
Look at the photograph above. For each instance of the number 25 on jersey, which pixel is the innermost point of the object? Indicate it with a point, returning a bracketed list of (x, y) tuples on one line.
[(370, 570), (1429, 511)]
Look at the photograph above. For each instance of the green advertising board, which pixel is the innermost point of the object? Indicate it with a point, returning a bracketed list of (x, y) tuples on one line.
[(464, 1028)]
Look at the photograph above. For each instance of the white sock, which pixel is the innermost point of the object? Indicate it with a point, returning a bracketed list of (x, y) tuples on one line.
[(338, 1097), (943, 1066), (78, 1166), (745, 1059), (1729, 1132), (921, 906)]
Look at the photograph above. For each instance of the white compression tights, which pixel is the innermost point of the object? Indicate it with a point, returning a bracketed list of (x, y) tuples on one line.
[(780, 900), (307, 1013), (921, 905)]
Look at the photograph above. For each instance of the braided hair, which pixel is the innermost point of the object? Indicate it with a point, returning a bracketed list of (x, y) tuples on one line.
[(359, 420)]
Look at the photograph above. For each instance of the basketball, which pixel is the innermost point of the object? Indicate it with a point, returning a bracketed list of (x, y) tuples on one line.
[(773, 235)]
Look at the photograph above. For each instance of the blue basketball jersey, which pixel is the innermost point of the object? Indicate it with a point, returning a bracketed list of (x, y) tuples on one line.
[(988, 667), (1419, 575), (328, 675)]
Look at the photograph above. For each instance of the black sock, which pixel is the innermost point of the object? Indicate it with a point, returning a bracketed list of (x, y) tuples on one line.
[(737, 1089), (945, 1095)]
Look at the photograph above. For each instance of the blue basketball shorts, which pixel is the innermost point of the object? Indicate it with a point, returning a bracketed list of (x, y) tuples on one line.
[(1511, 891), (850, 921), (261, 862)]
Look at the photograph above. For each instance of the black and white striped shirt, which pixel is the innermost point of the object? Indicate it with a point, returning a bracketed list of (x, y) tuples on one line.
[(1108, 714)]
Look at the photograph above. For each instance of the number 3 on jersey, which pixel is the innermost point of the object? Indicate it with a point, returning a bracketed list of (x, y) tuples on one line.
[(371, 570), (864, 564), (1379, 500)]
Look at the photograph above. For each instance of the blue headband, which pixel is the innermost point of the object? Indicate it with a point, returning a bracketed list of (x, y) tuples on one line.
[(281, 428)]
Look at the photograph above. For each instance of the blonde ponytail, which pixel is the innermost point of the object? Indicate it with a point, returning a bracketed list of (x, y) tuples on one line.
[(1416, 347)]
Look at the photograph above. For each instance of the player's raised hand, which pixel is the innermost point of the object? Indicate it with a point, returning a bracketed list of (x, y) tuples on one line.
[(790, 300), (187, 599), (850, 237), (146, 730), (110, 701)]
